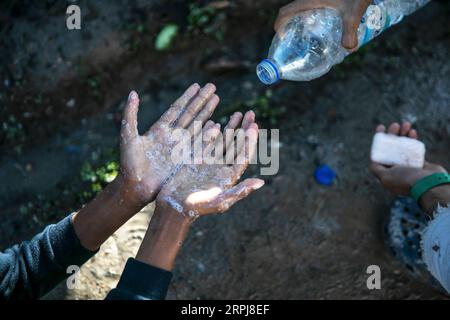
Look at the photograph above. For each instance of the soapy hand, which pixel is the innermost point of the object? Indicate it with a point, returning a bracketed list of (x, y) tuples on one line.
[(398, 179), (201, 189), (351, 12), (145, 160)]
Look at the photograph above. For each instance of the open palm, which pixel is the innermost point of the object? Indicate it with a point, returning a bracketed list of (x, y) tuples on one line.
[(201, 189), (146, 159)]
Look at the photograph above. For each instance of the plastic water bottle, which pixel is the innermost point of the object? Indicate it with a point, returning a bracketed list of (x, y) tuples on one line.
[(310, 43)]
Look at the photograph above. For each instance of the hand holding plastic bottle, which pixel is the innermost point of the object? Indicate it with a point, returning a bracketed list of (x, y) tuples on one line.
[(314, 35), (351, 12)]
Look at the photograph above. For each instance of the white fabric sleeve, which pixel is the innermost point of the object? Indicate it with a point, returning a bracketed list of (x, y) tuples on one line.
[(436, 246)]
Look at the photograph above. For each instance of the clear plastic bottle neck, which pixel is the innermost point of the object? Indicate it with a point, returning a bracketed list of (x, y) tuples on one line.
[(268, 72)]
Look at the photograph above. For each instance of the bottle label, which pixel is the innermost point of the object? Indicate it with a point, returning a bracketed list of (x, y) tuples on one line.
[(374, 17), (377, 20)]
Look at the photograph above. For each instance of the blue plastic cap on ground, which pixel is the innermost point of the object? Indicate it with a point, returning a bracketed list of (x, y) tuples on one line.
[(325, 175)]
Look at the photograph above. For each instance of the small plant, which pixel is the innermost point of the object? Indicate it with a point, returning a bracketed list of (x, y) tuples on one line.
[(93, 83), (38, 98), (137, 35), (13, 133), (26, 208), (207, 20), (140, 28), (70, 196), (265, 108), (99, 177)]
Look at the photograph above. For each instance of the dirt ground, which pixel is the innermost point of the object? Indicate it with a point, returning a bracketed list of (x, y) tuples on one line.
[(293, 239)]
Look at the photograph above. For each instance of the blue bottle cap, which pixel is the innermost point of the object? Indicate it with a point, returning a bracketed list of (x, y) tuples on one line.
[(325, 175), (267, 72)]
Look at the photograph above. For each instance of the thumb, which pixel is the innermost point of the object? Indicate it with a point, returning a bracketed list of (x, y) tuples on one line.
[(351, 21), (238, 192), (129, 121), (378, 170), (349, 35)]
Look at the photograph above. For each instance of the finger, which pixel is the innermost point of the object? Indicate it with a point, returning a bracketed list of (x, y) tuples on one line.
[(349, 35), (234, 121), (234, 140), (248, 151), (211, 134), (228, 198), (406, 127), (249, 118), (294, 8), (378, 170), (434, 167), (206, 112), (351, 19), (394, 128), (208, 125), (229, 130), (209, 139), (233, 145), (413, 134), (380, 128), (129, 122), (172, 114), (429, 165), (197, 103)]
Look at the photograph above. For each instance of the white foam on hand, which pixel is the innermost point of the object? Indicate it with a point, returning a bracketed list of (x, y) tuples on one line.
[(390, 150)]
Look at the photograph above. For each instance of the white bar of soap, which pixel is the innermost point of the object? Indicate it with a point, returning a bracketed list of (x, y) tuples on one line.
[(390, 150)]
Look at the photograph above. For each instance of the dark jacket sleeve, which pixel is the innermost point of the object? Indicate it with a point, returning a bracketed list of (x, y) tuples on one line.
[(31, 269), (140, 281)]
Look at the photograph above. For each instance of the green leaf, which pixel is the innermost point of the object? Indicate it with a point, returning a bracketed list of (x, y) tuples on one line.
[(166, 36)]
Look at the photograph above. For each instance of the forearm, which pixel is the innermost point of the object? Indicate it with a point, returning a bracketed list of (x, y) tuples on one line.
[(164, 238), (148, 276), (32, 268), (439, 195), (100, 218)]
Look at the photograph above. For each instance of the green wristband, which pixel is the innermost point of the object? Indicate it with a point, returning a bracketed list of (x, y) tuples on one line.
[(427, 183)]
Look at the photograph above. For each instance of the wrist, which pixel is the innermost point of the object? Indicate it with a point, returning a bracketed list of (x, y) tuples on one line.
[(166, 233), (439, 195), (131, 192), (168, 203), (168, 215), (102, 216)]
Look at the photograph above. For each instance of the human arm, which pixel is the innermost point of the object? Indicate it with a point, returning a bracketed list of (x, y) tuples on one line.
[(195, 191), (399, 180), (144, 164), (32, 268), (435, 203)]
